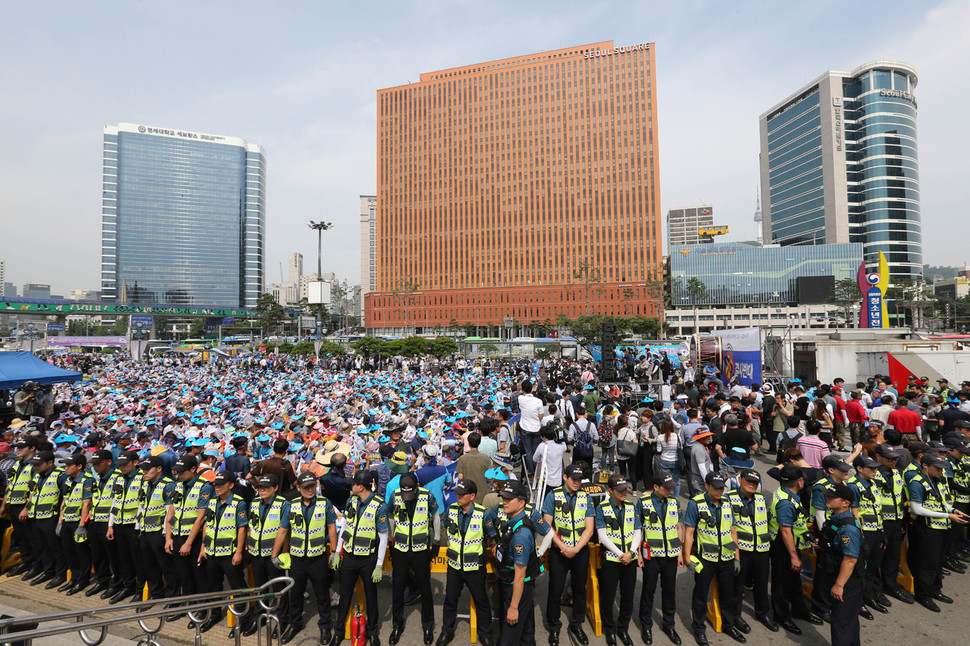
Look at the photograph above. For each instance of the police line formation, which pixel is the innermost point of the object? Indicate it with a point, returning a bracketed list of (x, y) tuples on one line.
[(179, 477)]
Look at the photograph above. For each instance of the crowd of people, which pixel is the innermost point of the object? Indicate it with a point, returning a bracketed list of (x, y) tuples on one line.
[(180, 475)]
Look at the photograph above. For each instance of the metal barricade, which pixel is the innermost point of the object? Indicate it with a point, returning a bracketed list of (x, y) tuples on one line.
[(267, 596)]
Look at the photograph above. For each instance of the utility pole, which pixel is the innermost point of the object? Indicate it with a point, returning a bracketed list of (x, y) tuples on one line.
[(319, 227)]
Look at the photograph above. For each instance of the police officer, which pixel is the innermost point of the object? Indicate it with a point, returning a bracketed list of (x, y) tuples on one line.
[(79, 489), (891, 489), (928, 495), (840, 545), (750, 511), (519, 565), (663, 536), (958, 480), (710, 521), (836, 470), (467, 528), (789, 533), (363, 536), (266, 513), (122, 526), (183, 529), (570, 513), (107, 575), (157, 493), (14, 502), (415, 529), (224, 543), (310, 525), (42, 510), (619, 531), (873, 536)]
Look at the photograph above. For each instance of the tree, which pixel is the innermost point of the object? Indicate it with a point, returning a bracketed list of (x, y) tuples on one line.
[(371, 345), (489, 349), (548, 351), (405, 294), (845, 294), (271, 313), (197, 329), (589, 276), (443, 346), (696, 290)]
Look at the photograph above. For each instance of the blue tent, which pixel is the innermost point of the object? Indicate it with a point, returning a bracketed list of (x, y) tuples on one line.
[(18, 367)]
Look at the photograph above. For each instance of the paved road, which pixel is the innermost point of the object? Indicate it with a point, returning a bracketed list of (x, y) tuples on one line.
[(910, 624)]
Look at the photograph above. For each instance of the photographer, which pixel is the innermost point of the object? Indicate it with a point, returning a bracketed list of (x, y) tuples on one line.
[(25, 402)]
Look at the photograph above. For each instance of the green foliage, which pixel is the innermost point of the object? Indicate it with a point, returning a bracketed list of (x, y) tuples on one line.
[(548, 351), (197, 329), (285, 348), (443, 346), (370, 345), (305, 348), (588, 329), (696, 290), (488, 349), (271, 313)]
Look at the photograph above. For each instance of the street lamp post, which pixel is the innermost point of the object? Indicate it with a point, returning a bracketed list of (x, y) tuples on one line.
[(320, 227)]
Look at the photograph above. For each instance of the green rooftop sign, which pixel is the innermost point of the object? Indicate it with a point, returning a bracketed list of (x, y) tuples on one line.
[(94, 308)]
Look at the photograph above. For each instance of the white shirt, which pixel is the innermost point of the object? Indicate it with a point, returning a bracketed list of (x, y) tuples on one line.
[(531, 408)]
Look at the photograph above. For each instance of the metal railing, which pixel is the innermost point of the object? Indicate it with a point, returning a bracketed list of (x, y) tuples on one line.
[(237, 602)]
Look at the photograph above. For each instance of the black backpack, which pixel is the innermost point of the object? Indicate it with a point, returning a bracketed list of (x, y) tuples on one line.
[(583, 447), (787, 441)]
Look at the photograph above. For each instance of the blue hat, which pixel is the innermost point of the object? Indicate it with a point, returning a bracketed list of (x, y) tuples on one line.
[(589, 387), (263, 437), (646, 400), (738, 458)]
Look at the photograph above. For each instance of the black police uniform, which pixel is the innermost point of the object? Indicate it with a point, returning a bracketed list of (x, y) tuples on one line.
[(841, 538)]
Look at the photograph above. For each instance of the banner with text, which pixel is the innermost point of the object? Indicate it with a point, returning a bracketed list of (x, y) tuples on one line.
[(740, 355)]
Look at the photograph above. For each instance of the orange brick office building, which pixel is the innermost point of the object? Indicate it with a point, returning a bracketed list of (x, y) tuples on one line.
[(496, 181)]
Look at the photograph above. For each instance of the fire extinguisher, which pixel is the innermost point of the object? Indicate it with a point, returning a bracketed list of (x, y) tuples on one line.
[(358, 628)]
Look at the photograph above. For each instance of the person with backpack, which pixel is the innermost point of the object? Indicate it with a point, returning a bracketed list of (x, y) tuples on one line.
[(607, 438), (582, 436), (788, 439)]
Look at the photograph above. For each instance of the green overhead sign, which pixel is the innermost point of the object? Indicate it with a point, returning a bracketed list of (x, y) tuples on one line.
[(93, 308)]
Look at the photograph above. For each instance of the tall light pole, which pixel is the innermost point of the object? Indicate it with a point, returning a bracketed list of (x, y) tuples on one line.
[(320, 227)]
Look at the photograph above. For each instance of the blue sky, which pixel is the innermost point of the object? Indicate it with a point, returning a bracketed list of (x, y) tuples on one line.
[(300, 79)]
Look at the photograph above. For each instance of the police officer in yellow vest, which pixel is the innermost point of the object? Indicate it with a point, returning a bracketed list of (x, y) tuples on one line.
[(266, 513), (107, 574), (958, 479), (891, 489), (570, 512), (415, 529), (156, 496), (183, 529), (788, 529), (750, 511), (42, 509), (928, 496), (869, 500), (310, 525), (122, 527), (79, 488), (224, 543), (709, 524), (618, 528), (663, 536), (360, 551), (468, 529), (18, 488)]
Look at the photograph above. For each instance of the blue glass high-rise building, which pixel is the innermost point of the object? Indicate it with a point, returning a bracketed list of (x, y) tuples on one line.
[(183, 217), (839, 164)]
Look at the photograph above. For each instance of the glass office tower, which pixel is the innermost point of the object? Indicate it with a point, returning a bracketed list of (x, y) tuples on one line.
[(183, 218), (839, 164)]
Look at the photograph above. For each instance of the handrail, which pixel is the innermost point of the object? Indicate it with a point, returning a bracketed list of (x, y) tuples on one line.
[(264, 595)]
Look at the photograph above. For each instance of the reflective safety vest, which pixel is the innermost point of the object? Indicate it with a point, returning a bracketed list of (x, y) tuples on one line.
[(502, 521), (102, 497), (308, 536), (360, 534), (891, 491), (910, 472), (186, 507), (46, 499), (152, 508), (73, 499), (714, 541), (20, 483), (263, 531), (752, 529), (569, 522), (799, 527), (824, 483), (126, 493), (933, 500), (961, 476), (660, 530), (619, 527), (220, 528), (870, 505), (411, 533), (466, 551)]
